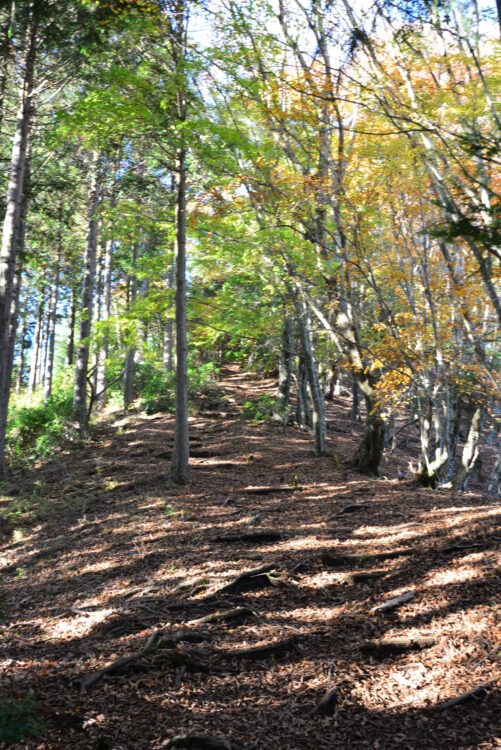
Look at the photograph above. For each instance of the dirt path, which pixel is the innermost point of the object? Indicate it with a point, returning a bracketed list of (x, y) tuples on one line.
[(98, 553)]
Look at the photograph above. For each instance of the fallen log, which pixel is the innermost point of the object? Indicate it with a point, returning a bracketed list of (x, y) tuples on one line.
[(398, 644), (395, 602), (224, 615), (262, 535), (477, 692), (200, 742), (326, 706), (255, 653)]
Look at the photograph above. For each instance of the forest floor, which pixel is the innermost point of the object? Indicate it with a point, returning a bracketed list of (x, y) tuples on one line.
[(99, 553)]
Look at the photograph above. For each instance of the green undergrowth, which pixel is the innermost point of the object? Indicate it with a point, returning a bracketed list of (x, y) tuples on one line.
[(36, 426), (156, 386), (258, 410), (19, 718)]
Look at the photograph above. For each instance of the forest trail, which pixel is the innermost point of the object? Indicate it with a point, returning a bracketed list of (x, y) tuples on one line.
[(99, 552)]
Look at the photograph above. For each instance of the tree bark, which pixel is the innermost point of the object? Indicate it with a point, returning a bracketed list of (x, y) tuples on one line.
[(168, 329), (35, 350), (286, 360), (70, 347), (11, 231), (317, 397), (82, 362), (131, 351), (106, 301), (470, 451), (181, 447), (52, 318)]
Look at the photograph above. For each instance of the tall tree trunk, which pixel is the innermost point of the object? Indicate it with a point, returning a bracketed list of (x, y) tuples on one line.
[(131, 351), (102, 393), (22, 353), (54, 297), (11, 232), (168, 328), (20, 251), (302, 414), (181, 449), (470, 451), (35, 349), (317, 396), (82, 363), (5, 54), (369, 453), (70, 346), (286, 360)]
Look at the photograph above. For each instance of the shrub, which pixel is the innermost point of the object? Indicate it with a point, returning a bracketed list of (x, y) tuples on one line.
[(18, 718)]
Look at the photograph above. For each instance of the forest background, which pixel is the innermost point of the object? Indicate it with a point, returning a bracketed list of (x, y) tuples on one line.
[(310, 189)]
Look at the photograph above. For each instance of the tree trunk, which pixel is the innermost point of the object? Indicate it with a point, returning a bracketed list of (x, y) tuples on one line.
[(52, 319), (82, 363), (181, 449), (20, 248), (317, 397), (370, 451), (102, 393), (35, 350), (11, 232), (302, 415), (131, 351), (168, 328), (470, 451), (286, 360), (70, 347), (22, 354)]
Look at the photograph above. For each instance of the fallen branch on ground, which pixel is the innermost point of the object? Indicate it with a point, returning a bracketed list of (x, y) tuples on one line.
[(395, 602), (398, 644)]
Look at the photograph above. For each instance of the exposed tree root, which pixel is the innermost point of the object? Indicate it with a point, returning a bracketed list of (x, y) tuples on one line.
[(160, 638), (249, 580), (339, 560), (262, 535), (224, 615), (353, 508), (259, 652), (271, 489), (200, 742), (327, 705), (477, 692)]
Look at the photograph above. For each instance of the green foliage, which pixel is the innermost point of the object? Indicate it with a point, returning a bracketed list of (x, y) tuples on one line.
[(35, 429), (260, 409), (156, 386), (19, 718)]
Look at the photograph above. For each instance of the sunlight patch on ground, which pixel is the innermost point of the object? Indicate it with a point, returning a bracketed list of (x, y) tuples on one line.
[(76, 627), (453, 576)]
